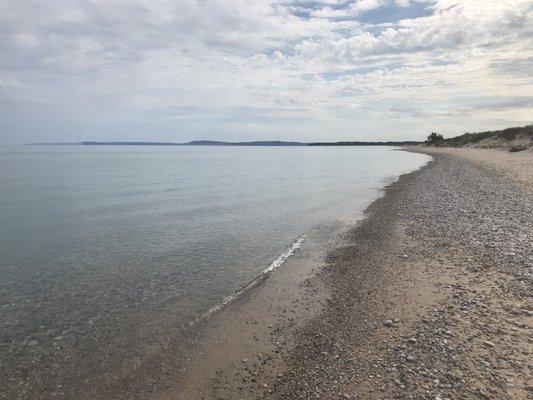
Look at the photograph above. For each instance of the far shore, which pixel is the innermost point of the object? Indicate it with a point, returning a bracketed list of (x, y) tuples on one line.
[(429, 296)]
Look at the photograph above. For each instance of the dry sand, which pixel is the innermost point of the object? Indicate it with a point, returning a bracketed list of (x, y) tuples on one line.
[(517, 167)]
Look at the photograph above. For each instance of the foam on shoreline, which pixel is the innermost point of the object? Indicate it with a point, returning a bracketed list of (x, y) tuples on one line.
[(294, 246)]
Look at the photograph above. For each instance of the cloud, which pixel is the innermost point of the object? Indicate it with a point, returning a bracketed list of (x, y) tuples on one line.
[(297, 68), (351, 10), (402, 3)]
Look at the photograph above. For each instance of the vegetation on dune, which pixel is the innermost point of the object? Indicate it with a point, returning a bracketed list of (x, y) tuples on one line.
[(434, 138), (504, 138)]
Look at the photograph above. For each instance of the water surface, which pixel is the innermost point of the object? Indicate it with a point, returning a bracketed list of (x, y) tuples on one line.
[(106, 250)]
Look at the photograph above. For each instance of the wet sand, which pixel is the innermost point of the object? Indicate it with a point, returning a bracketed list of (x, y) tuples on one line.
[(429, 296)]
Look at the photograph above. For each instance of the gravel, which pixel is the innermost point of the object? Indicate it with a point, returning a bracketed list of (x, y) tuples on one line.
[(458, 230)]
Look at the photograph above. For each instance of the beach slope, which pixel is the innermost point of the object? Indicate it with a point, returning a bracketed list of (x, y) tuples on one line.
[(427, 297)]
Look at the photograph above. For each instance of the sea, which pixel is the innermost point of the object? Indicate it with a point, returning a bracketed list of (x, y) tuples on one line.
[(104, 250)]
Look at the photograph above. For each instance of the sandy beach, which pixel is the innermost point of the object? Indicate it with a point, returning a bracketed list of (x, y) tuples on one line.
[(427, 297), (514, 167)]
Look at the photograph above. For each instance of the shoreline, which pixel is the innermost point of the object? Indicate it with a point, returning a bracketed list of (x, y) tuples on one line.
[(256, 328), (236, 326), (274, 265), (201, 380), (356, 304)]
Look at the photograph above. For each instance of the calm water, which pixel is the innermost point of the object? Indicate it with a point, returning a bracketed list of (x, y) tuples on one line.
[(103, 248)]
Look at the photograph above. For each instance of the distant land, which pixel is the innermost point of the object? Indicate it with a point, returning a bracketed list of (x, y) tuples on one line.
[(516, 138), (403, 143), (520, 137), (220, 143)]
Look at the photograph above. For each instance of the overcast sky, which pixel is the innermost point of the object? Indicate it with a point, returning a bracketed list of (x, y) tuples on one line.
[(262, 69)]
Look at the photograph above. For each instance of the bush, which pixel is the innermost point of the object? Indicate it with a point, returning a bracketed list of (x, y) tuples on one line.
[(514, 149), (435, 138)]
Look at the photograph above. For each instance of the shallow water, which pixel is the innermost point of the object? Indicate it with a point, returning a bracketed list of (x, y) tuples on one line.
[(105, 249)]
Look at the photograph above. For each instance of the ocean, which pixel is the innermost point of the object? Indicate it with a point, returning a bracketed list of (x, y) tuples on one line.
[(104, 250)]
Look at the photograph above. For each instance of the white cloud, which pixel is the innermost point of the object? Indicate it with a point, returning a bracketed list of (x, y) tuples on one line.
[(273, 64), (352, 10), (403, 3)]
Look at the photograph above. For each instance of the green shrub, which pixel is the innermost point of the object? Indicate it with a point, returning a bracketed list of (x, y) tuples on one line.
[(434, 138)]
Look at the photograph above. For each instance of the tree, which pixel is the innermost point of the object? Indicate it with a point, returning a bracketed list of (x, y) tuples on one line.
[(434, 138)]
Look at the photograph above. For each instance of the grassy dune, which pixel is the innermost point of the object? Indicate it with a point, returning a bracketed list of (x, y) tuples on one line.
[(514, 139)]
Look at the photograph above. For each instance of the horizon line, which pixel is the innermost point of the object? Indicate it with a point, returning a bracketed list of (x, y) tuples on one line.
[(206, 142)]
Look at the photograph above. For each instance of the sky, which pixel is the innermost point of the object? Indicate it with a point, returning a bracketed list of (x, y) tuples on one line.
[(308, 70)]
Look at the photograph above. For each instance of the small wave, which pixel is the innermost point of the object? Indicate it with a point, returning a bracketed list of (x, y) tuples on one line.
[(254, 282)]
